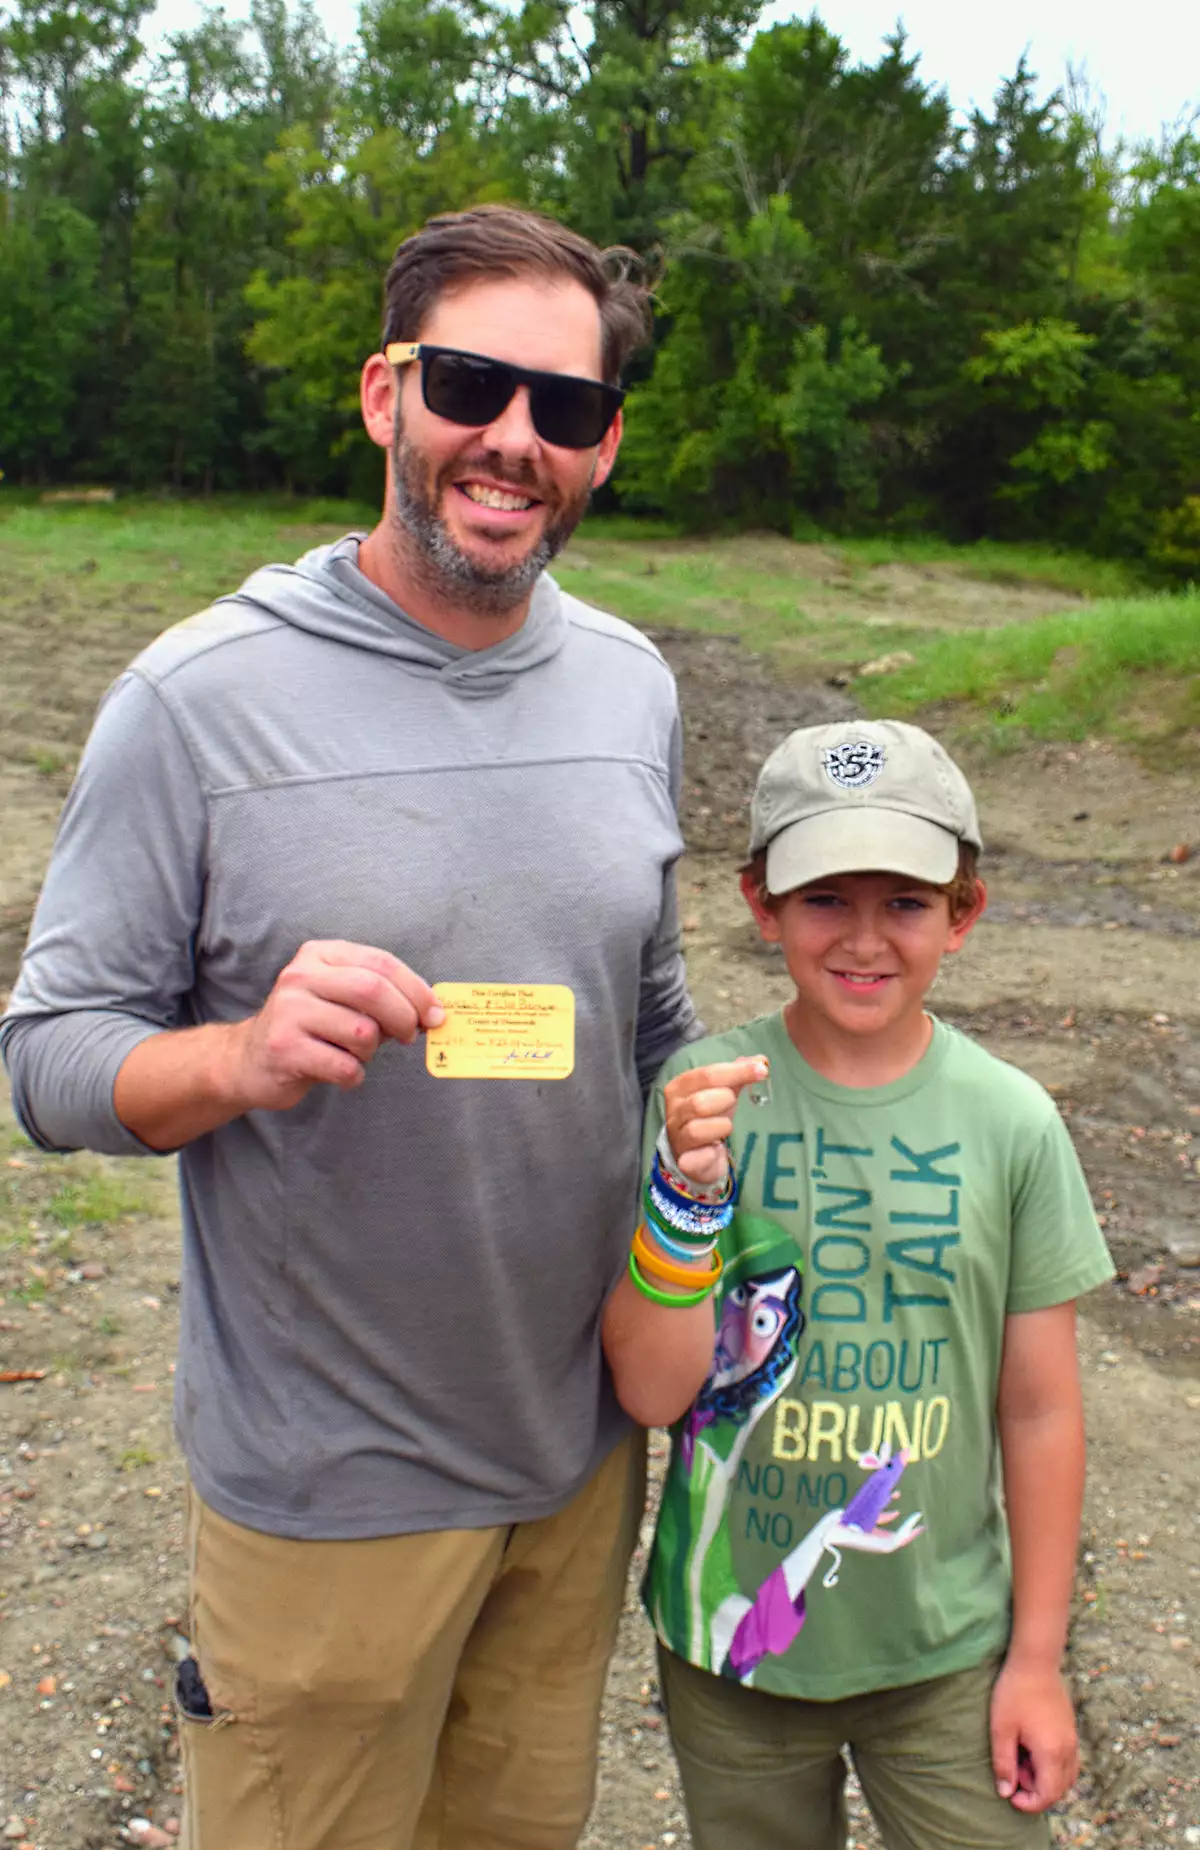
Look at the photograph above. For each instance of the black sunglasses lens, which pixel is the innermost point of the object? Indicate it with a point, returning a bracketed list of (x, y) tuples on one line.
[(466, 389), (572, 413)]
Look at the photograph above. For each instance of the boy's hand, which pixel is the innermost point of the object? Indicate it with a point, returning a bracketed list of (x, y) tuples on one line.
[(1035, 1749), (699, 1114)]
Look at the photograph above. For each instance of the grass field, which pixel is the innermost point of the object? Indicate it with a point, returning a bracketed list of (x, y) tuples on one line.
[(1128, 667), (1019, 641)]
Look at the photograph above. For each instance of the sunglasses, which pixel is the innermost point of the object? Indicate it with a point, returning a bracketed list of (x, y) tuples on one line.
[(468, 388)]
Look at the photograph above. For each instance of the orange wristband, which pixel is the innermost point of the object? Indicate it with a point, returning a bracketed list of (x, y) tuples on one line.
[(659, 1266)]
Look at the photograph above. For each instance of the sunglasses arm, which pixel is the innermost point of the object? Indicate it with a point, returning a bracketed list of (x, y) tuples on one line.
[(402, 352)]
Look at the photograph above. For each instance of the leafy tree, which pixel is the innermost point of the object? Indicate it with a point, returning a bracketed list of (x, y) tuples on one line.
[(754, 411), (48, 270)]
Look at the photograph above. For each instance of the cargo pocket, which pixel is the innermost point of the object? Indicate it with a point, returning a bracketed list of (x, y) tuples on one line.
[(192, 1700)]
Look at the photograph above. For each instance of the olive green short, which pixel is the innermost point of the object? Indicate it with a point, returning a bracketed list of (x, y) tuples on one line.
[(766, 1772), (413, 1692)]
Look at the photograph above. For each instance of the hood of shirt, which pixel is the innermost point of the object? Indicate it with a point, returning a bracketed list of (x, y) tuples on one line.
[(327, 594)]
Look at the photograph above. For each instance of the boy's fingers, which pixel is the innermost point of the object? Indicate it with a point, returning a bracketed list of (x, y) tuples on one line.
[(731, 1073), (1004, 1759), (699, 1134), (713, 1102)]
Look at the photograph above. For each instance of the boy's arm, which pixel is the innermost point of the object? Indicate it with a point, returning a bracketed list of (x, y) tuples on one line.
[(1039, 1413), (658, 1357)]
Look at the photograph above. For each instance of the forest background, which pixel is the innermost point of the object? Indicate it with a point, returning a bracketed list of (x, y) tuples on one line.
[(872, 314)]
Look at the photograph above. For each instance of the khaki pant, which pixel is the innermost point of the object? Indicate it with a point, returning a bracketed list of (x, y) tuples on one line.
[(415, 1692), (764, 1772)]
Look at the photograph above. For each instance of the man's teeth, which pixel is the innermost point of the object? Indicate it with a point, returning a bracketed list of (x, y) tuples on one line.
[(495, 497)]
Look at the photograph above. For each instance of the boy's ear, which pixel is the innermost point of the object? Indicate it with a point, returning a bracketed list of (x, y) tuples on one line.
[(962, 925), (764, 916)]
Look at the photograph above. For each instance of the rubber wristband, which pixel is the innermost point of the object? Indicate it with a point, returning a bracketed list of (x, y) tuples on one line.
[(678, 1249), (660, 1267), (666, 1298), (696, 1195), (710, 1193), (689, 1221)]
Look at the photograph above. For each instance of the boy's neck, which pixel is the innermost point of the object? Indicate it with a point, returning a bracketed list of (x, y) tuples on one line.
[(872, 1060)]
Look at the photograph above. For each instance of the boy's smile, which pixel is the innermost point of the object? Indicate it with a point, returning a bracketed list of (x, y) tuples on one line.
[(863, 951)]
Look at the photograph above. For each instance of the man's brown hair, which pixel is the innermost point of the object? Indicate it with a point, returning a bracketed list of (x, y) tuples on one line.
[(459, 248), (960, 891)]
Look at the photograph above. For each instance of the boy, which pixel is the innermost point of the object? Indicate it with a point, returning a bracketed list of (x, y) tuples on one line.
[(833, 1564)]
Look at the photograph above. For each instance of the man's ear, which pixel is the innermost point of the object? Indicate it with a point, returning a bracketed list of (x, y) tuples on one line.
[(606, 455), (765, 916), (377, 396), (962, 925)]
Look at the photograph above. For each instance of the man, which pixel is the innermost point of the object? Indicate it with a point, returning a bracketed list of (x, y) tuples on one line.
[(408, 758)]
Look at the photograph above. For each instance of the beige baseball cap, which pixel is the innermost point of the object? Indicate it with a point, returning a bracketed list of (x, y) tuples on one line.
[(862, 796)]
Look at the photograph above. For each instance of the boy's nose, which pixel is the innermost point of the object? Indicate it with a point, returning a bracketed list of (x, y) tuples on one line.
[(863, 933)]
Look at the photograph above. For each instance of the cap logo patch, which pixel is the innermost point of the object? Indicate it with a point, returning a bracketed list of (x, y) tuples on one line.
[(854, 764)]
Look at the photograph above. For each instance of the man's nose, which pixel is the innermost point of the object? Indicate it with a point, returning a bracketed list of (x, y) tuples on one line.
[(512, 430)]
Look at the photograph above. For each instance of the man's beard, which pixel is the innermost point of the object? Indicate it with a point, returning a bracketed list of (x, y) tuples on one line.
[(446, 571)]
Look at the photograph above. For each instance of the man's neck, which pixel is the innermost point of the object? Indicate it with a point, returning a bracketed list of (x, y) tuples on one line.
[(379, 561), (858, 1062)]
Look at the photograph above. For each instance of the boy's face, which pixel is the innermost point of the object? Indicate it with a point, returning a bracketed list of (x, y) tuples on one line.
[(863, 949)]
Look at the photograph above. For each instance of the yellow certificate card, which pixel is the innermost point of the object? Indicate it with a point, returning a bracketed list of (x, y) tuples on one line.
[(503, 1031)]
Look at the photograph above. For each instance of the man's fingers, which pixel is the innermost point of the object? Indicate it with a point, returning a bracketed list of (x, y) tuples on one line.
[(401, 1005), (338, 952), (348, 1028)]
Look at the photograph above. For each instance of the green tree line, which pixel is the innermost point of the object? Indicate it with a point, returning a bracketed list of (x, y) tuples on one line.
[(870, 311)]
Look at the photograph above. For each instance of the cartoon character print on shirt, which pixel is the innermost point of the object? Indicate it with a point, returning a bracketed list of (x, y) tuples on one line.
[(754, 1360), (755, 1353), (745, 1631)]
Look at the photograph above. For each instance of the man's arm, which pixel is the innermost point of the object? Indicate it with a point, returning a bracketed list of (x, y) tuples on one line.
[(1039, 1413), (93, 1037), (325, 1019), (666, 1017), (110, 957)]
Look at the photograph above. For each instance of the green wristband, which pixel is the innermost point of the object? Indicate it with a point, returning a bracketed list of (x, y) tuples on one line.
[(666, 1298)]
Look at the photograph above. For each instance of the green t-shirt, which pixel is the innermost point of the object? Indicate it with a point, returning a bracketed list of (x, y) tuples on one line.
[(832, 1519)]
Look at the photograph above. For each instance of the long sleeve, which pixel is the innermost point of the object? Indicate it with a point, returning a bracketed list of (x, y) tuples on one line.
[(666, 1015), (110, 958)]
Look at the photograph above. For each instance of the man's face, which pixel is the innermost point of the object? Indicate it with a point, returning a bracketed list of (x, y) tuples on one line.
[(480, 511)]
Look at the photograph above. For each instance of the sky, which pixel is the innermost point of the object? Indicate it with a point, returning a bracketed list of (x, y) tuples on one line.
[(1146, 68)]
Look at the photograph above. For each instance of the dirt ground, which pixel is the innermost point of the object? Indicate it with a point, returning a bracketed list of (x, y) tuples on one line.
[(1085, 973)]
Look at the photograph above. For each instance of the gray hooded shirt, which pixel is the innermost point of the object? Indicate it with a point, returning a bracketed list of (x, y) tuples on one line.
[(390, 1297)]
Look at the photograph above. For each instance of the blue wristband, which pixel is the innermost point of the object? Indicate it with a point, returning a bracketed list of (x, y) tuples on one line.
[(693, 1220), (676, 1249)]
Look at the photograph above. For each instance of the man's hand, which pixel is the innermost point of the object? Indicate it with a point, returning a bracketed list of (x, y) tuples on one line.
[(699, 1114), (1035, 1748), (324, 1021)]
